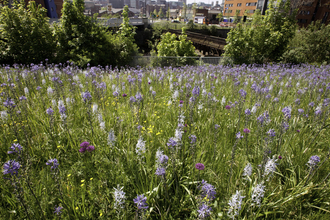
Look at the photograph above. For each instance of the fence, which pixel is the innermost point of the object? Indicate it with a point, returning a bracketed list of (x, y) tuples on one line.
[(155, 61)]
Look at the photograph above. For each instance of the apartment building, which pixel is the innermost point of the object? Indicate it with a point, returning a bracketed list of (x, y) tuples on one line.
[(308, 10), (231, 7)]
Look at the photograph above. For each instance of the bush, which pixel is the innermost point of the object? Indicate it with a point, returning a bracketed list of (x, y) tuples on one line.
[(169, 46), (25, 34), (310, 45), (81, 40), (265, 39)]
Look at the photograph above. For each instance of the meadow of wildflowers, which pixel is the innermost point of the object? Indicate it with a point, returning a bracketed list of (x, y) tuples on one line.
[(207, 142)]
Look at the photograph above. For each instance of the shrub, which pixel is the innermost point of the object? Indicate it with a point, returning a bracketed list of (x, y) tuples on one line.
[(265, 39), (81, 40), (170, 46), (25, 34), (310, 45)]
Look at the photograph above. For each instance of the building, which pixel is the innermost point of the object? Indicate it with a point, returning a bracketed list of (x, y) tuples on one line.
[(314, 11), (308, 10)]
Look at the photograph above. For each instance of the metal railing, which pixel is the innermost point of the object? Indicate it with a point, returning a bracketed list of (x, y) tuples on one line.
[(155, 61)]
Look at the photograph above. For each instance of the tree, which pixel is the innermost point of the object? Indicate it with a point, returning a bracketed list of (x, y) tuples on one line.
[(220, 17), (155, 12), (171, 46), (236, 17), (265, 39), (310, 45), (25, 34), (160, 13), (81, 40), (168, 13), (184, 10)]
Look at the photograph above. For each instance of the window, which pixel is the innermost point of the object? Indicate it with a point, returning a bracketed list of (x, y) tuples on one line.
[(252, 11), (251, 4), (239, 4), (303, 21)]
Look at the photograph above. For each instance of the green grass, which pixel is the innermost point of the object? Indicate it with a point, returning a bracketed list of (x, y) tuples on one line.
[(85, 182)]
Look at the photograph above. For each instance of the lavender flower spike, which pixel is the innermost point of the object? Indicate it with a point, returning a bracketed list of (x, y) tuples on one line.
[(141, 202), (204, 211), (54, 163), (15, 148), (11, 167), (313, 161)]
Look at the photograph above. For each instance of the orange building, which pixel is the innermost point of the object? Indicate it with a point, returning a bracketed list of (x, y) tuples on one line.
[(308, 10)]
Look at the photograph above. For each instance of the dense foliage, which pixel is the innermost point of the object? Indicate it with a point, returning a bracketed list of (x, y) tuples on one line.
[(248, 142), (172, 46), (310, 45), (266, 38), (27, 37)]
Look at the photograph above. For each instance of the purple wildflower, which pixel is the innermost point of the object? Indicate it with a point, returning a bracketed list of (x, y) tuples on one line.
[(171, 142), (15, 148), (247, 112), (11, 167), (204, 211), (239, 136), (141, 202), (132, 99), (54, 163), (22, 98), (242, 93), (318, 112), (216, 126), (124, 95), (9, 103), (311, 104), (313, 161), (83, 146), (287, 112), (196, 91), (193, 139), (207, 190), (199, 166), (90, 148), (271, 132), (50, 111), (86, 96), (160, 171), (58, 210), (227, 107), (246, 130), (301, 111), (138, 96)]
